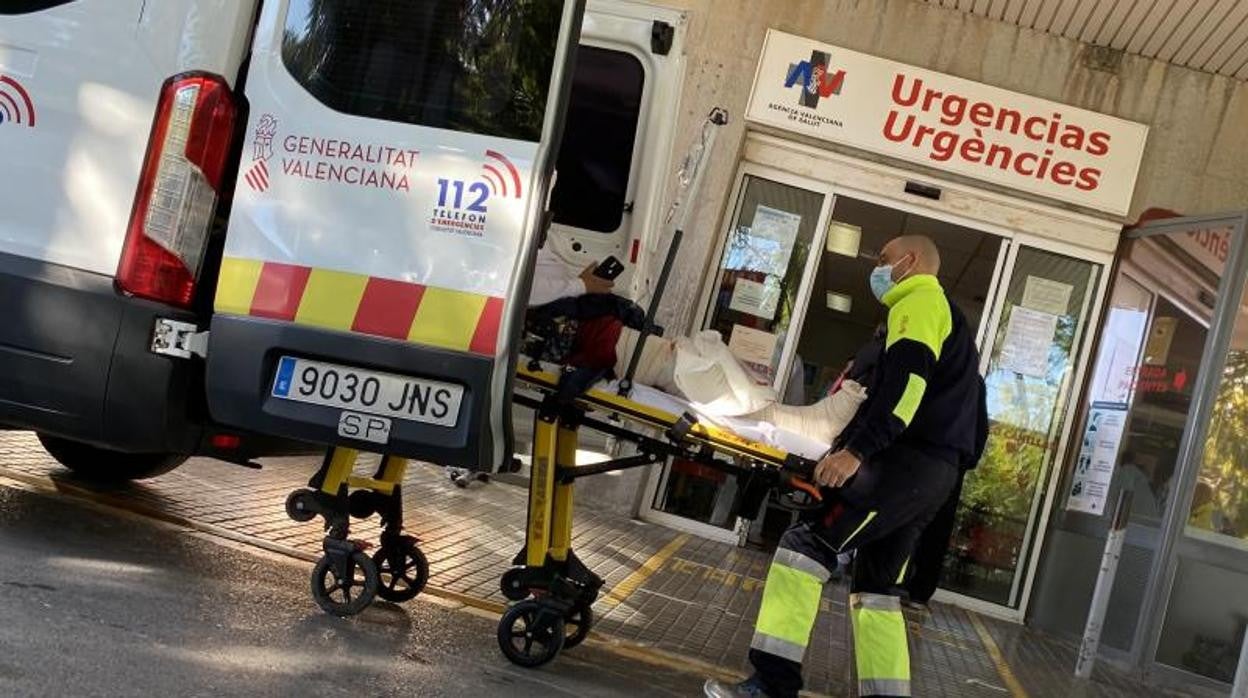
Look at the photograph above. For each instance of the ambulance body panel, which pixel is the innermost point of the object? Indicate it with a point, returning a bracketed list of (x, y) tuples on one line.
[(388, 201), (87, 93), (79, 86)]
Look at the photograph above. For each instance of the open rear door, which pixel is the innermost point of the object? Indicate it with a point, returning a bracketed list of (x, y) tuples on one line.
[(386, 216)]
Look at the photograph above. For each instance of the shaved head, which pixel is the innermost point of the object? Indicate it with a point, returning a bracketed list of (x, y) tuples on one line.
[(920, 248)]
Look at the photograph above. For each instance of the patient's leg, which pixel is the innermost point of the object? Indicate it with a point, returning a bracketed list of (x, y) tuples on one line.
[(657, 367), (822, 421)]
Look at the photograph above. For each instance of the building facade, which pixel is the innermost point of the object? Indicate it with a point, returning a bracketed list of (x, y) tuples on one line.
[(1114, 353)]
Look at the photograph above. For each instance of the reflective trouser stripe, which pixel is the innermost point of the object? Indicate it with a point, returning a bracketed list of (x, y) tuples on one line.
[(870, 517), (790, 603), (880, 651), (901, 576)]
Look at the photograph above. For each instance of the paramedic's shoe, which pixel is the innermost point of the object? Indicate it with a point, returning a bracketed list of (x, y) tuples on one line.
[(746, 689)]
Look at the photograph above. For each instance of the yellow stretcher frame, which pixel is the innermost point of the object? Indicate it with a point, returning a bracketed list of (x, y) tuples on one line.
[(555, 440)]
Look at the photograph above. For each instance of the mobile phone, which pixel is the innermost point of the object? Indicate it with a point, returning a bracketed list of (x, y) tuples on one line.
[(609, 268)]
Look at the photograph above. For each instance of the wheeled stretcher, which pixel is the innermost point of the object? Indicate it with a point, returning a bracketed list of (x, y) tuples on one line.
[(553, 589)]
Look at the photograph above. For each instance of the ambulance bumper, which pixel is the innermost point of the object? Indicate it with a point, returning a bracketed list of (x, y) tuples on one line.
[(242, 363)]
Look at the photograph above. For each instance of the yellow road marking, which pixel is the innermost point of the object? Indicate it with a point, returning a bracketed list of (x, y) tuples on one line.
[(639, 576), (998, 659)]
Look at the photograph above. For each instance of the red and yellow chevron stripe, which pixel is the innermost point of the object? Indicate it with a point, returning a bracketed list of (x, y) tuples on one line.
[(344, 301)]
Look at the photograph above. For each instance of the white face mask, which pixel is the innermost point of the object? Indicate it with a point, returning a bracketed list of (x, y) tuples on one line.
[(882, 281)]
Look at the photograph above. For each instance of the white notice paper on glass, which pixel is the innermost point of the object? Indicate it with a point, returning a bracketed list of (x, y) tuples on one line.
[(755, 298), (1047, 296), (1095, 467), (779, 227), (751, 345), (766, 245), (1028, 338)]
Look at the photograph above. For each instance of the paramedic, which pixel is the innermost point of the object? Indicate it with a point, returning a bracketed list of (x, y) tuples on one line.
[(894, 464)]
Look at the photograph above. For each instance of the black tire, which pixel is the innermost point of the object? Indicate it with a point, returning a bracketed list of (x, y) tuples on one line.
[(403, 573), (300, 505), (107, 466), (577, 626), (530, 634), (512, 585), (345, 597)]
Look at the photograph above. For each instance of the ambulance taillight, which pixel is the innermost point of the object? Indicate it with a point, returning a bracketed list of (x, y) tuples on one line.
[(178, 189)]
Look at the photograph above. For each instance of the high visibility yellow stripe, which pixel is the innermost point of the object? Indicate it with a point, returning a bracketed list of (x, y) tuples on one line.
[(901, 576), (331, 299), (237, 285), (910, 400), (790, 605), (870, 517), (446, 318), (880, 649)]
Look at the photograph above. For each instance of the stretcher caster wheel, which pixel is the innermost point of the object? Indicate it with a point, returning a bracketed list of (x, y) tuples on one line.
[(301, 505), (531, 634), (512, 585), (577, 625), (404, 570), (345, 594), (362, 504)]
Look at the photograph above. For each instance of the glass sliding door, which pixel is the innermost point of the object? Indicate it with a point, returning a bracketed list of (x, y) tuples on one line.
[(1205, 593), (1031, 361), (764, 271), (759, 290)]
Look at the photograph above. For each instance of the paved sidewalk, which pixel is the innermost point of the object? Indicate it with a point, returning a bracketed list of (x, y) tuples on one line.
[(668, 591)]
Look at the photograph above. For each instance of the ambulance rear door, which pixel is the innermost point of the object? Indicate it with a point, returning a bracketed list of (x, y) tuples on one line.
[(386, 212)]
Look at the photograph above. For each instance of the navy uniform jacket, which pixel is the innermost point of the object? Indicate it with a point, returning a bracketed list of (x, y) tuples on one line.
[(926, 392)]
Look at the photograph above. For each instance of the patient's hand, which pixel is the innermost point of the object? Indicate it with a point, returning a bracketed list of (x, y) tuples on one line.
[(595, 284)]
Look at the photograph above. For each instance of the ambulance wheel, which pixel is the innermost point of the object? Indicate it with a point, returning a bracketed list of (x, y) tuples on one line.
[(513, 586), (300, 505), (404, 571), (349, 595), (577, 625), (530, 634), (107, 466)]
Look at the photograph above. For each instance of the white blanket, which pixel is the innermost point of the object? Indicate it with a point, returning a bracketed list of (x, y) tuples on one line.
[(745, 428)]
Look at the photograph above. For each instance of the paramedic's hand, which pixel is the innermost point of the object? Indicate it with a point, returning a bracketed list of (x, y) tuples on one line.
[(836, 468), (593, 283)]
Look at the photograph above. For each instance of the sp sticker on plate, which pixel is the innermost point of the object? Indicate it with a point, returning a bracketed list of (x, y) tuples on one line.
[(364, 427)]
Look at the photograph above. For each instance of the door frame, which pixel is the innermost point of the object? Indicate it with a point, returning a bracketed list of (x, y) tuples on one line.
[(1191, 446), (657, 479), (1017, 220), (1013, 241), (714, 273)]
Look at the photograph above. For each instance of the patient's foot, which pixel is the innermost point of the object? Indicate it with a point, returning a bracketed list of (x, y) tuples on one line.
[(822, 421)]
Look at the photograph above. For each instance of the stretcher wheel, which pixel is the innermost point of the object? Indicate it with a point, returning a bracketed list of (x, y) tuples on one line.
[(403, 569), (362, 504), (301, 505), (577, 625), (349, 594), (531, 634), (513, 586)]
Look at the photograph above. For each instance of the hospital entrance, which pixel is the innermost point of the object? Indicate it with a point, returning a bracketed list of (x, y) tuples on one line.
[(790, 297)]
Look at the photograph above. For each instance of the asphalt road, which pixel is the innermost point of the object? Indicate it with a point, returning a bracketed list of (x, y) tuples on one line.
[(95, 602)]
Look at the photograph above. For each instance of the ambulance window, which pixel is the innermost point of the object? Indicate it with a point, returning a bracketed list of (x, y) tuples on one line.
[(21, 7), (480, 66), (597, 152)]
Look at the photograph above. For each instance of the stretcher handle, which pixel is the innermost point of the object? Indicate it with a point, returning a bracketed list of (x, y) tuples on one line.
[(810, 488)]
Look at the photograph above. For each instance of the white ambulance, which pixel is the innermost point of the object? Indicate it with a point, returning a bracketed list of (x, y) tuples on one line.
[(229, 220)]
